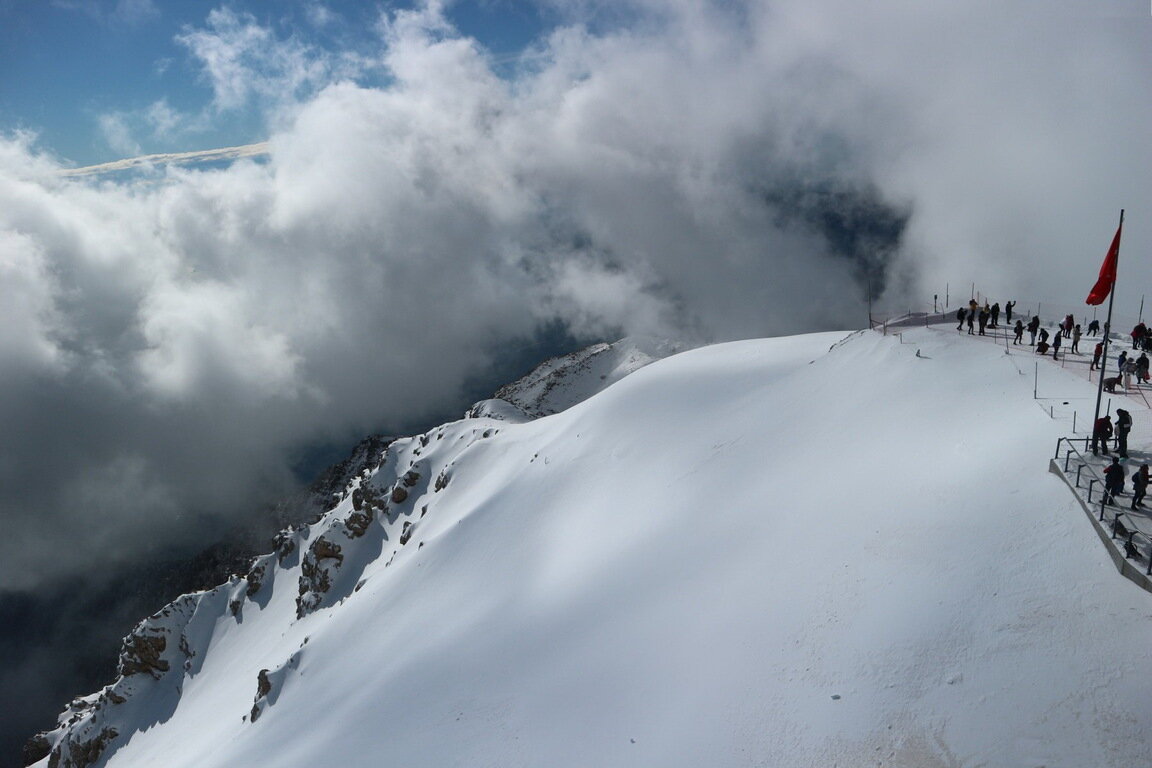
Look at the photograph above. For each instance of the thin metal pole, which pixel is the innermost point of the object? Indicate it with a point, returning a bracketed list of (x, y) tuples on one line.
[(1036, 381), (1107, 329)]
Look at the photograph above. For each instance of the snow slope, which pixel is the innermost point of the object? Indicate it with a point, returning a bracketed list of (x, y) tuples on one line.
[(817, 550)]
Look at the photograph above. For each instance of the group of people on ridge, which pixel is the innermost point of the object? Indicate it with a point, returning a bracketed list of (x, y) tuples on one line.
[(986, 316)]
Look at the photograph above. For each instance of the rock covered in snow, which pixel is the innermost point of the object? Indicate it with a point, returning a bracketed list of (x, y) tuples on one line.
[(560, 382)]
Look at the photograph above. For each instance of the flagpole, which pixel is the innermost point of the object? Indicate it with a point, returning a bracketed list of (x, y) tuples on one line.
[(1107, 330)]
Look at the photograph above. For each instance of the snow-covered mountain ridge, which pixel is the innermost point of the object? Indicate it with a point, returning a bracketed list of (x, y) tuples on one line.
[(801, 551), (561, 382)]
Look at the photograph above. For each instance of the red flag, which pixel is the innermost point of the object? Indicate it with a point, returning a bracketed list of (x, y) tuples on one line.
[(1107, 277)]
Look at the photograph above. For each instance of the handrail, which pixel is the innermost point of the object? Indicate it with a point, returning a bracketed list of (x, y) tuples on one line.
[(1130, 549)]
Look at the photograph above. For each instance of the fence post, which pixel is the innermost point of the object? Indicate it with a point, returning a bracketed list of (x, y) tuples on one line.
[(1091, 484), (1103, 504), (1078, 468)]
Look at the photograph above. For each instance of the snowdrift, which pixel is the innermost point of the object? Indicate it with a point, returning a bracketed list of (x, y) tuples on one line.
[(820, 550)]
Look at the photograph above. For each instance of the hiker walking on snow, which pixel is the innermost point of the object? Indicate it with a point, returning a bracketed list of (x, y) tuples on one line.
[(1069, 321), (983, 320), (1113, 481), (1123, 427), (1101, 433), (1033, 326), (971, 320), (1056, 347), (1044, 335), (1142, 369), (1139, 486), (1096, 356), (1093, 327), (1019, 339), (1076, 340), (960, 313), (1138, 334), (1120, 361)]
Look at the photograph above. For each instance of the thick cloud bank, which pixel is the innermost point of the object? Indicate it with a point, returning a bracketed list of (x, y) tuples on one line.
[(714, 170)]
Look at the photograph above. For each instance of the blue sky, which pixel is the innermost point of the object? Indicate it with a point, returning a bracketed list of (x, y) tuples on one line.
[(98, 80)]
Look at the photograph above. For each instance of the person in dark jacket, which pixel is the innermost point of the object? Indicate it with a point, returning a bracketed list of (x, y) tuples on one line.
[(960, 314), (1008, 311), (1113, 481), (1056, 347), (1138, 334), (983, 317), (1123, 427), (1139, 486), (994, 321), (1019, 339), (1093, 327), (1096, 356), (1033, 326), (1101, 433)]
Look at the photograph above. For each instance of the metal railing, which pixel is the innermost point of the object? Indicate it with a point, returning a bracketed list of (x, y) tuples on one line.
[(1123, 525)]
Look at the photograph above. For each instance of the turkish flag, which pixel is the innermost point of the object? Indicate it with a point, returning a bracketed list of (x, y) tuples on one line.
[(1107, 277)]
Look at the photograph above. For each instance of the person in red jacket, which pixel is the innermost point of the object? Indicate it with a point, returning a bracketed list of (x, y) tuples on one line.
[(1101, 433)]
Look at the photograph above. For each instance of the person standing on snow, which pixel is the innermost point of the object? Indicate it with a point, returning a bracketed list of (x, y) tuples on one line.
[(1056, 347), (1142, 368), (960, 314), (1096, 356), (995, 320), (1138, 334), (1113, 481), (1123, 427), (983, 320), (1008, 311), (1101, 433), (1019, 332), (1129, 370), (1093, 327), (1076, 340), (1033, 326), (1139, 486), (1121, 360)]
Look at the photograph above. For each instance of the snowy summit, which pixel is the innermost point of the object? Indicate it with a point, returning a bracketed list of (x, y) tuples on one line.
[(831, 549)]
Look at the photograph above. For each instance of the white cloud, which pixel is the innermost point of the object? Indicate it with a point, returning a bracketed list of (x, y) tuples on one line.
[(245, 62), (118, 134)]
